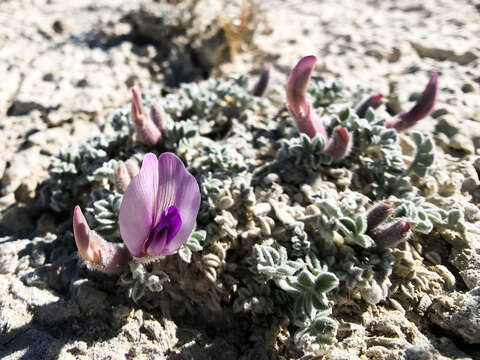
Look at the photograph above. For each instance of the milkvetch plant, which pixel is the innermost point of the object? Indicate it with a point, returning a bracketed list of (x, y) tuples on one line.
[(295, 224)]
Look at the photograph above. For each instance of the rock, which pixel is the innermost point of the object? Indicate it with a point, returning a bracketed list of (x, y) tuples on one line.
[(23, 107), (90, 299), (468, 88), (59, 26), (57, 313), (459, 314), (467, 262), (463, 143), (443, 54), (169, 25), (52, 140), (418, 353), (13, 312), (27, 166), (32, 296), (18, 220), (32, 344), (432, 52), (9, 249)]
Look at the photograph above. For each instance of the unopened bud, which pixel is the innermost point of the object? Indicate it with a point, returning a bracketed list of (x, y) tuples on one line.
[(158, 117), (378, 214), (392, 235), (262, 84), (132, 168), (146, 129), (373, 102), (339, 145), (307, 121), (99, 254), (122, 178), (422, 108)]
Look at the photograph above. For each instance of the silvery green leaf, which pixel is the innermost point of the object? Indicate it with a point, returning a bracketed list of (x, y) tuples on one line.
[(185, 254), (154, 281), (273, 263), (360, 224), (326, 282), (309, 290), (322, 330), (363, 240), (424, 157), (194, 243), (137, 292), (349, 224)]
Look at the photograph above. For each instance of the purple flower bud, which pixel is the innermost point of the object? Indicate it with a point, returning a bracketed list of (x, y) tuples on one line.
[(122, 178), (392, 235), (158, 117), (146, 129), (132, 168), (262, 84), (422, 108), (373, 102), (159, 207), (378, 214), (339, 145), (307, 121), (99, 254)]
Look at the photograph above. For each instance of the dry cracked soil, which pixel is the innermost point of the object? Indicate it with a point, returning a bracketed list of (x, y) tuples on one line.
[(66, 65)]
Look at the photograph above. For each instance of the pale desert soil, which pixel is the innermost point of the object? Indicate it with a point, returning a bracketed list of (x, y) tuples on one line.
[(66, 65)]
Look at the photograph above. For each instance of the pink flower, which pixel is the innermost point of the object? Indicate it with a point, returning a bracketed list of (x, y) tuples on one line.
[(159, 207), (307, 121), (422, 108)]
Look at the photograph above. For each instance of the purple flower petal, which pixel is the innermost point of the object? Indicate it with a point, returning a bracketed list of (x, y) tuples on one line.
[(164, 232), (180, 189), (138, 210)]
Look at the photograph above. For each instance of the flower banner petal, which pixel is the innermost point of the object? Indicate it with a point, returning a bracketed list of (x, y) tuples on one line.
[(138, 209)]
